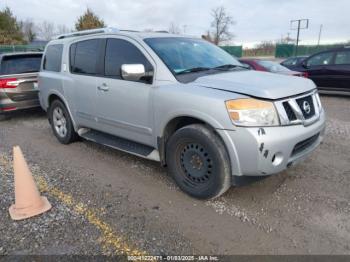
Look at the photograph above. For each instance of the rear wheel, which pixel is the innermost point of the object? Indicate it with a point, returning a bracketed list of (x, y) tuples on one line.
[(198, 162), (61, 123)]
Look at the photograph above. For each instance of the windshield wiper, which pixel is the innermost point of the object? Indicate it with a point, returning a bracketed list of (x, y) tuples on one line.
[(229, 66), (194, 70)]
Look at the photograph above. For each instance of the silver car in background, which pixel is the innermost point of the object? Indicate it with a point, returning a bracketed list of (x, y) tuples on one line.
[(181, 101), (18, 81)]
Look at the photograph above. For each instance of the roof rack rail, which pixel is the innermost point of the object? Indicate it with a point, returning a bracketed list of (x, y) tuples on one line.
[(88, 32), (128, 30)]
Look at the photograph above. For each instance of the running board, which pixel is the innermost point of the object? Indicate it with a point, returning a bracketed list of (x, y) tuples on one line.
[(121, 144)]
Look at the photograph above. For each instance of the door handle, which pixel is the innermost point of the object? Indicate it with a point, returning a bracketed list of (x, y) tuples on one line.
[(103, 87)]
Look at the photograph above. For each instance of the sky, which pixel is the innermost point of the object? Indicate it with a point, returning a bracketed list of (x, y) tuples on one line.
[(256, 20)]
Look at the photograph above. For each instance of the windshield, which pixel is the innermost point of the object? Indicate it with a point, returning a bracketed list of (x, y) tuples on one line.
[(272, 66), (181, 54)]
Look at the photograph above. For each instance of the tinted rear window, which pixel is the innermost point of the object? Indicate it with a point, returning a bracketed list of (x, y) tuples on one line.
[(53, 58), (20, 64)]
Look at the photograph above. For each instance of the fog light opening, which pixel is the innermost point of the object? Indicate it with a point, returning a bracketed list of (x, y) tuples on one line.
[(277, 159)]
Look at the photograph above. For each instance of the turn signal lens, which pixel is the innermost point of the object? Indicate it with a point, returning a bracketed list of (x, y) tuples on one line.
[(252, 112)]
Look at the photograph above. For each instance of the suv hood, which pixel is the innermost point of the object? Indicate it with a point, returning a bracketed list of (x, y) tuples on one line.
[(257, 84)]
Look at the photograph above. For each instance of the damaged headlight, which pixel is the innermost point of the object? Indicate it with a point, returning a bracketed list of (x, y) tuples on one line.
[(252, 112)]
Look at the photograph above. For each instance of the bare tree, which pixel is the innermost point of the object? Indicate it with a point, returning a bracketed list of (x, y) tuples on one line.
[(207, 37), (174, 29), (46, 30), (286, 40), (221, 24), (62, 29), (28, 30)]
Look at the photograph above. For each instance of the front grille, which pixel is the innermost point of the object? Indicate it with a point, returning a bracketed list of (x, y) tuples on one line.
[(301, 146), (307, 107), (289, 111)]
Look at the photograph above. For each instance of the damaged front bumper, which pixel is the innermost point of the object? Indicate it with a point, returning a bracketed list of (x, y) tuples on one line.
[(270, 150)]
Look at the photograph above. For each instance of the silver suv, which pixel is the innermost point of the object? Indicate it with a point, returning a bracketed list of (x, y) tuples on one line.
[(181, 101)]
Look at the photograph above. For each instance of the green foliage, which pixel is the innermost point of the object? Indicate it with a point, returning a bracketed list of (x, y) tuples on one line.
[(10, 29), (89, 21)]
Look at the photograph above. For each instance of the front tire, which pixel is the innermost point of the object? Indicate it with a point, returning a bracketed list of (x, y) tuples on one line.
[(61, 123), (198, 161)]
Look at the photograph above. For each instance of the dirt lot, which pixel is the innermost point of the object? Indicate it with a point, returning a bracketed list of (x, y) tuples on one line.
[(108, 202)]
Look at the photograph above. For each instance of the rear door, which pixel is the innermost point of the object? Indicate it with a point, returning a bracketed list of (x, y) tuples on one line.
[(318, 69), (18, 76), (340, 71), (84, 57)]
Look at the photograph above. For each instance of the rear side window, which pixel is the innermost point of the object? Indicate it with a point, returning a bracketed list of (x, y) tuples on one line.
[(342, 58), (53, 58), (84, 56), (119, 52), (19, 64)]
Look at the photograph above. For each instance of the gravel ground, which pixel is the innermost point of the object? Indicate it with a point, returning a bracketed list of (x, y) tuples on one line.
[(108, 202)]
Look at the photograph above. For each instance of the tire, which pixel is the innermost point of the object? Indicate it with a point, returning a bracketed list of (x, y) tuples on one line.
[(198, 161), (61, 123)]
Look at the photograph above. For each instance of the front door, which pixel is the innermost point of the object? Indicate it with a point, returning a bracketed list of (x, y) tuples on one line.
[(124, 107)]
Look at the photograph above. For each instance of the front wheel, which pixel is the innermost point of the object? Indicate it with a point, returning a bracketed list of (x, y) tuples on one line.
[(198, 161), (61, 123)]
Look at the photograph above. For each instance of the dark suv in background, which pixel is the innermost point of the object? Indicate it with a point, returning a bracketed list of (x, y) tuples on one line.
[(330, 70), (18, 81)]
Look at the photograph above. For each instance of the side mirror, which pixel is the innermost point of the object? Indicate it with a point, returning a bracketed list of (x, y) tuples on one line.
[(133, 72)]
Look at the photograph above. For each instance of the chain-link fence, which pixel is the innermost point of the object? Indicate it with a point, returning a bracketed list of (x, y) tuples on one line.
[(20, 48), (236, 51), (287, 50)]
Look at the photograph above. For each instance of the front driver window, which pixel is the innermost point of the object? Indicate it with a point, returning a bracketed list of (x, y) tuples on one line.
[(119, 52), (321, 59)]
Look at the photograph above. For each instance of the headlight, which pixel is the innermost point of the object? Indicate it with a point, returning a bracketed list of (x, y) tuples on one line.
[(252, 112)]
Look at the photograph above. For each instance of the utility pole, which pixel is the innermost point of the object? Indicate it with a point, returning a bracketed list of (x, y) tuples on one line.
[(301, 24), (319, 35), (185, 27)]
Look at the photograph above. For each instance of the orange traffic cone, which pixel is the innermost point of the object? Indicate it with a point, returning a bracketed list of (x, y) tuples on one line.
[(28, 202)]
